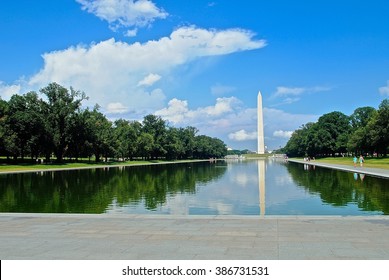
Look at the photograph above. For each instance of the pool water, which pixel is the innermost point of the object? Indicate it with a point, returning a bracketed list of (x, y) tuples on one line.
[(245, 187)]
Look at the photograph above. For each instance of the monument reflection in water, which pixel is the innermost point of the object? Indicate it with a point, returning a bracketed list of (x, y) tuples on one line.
[(248, 187), (261, 183)]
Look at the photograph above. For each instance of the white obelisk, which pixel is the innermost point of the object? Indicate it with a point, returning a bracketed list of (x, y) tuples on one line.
[(261, 184), (261, 141)]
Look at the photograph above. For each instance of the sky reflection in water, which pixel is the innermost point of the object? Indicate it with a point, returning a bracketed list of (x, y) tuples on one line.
[(222, 188)]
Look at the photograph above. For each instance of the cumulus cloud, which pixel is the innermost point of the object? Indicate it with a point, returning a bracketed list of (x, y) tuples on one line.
[(243, 135), (275, 120), (278, 124), (116, 108), (282, 134), (6, 91), (124, 13), (226, 118), (149, 80), (385, 89), (178, 111), (111, 71), (235, 123)]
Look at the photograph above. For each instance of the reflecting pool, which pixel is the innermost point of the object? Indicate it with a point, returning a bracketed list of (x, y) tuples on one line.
[(248, 187)]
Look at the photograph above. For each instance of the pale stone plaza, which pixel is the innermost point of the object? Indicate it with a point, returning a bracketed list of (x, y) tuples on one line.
[(158, 237)]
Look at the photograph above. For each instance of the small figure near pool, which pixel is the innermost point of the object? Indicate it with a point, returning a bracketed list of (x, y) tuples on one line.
[(361, 160)]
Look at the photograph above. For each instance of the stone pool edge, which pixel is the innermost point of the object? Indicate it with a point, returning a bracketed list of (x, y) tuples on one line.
[(376, 172)]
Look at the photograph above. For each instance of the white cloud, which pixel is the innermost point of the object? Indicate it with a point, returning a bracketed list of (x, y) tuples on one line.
[(293, 94), (223, 105), (235, 123), (221, 90), (287, 91), (279, 120), (110, 71), (282, 134), (275, 119), (124, 13), (297, 91), (131, 32), (178, 111), (116, 108), (385, 89), (242, 135), (6, 91), (149, 80)]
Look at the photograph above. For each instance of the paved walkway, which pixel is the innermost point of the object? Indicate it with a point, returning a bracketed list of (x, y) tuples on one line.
[(68, 237), (378, 172), (36, 168)]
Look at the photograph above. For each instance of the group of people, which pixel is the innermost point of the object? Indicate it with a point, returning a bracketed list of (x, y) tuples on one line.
[(308, 159), (361, 160)]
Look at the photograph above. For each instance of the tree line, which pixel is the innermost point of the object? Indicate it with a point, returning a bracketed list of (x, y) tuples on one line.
[(57, 126), (366, 132)]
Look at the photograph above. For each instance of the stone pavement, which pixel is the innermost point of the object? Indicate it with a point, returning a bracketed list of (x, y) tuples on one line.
[(378, 172), (161, 237)]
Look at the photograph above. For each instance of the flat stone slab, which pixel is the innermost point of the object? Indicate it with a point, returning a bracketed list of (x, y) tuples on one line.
[(161, 237), (377, 172)]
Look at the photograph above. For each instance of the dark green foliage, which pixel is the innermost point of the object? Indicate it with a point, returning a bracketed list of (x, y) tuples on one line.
[(366, 131), (61, 108), (361, 117), (57, 125), (378, 129), (24, 125)]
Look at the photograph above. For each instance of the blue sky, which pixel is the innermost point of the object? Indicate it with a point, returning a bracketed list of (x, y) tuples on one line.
[(201, 63)]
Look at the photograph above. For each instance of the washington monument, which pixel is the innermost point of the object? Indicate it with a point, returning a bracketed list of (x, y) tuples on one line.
[(261, 142)]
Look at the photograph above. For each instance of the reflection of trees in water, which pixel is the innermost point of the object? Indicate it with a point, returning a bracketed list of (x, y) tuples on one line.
[(340, 188), (92, 190)]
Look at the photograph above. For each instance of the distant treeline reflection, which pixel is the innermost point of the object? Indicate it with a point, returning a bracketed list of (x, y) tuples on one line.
[(93, 190), (339, 188)]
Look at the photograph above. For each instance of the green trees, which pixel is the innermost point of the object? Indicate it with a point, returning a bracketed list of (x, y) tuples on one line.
[(24, 125), (360, 138), (378, 128), (361, 117), (302, 142), (3, 120), (57, 124), (174, 146), (126, 135), (208, 147), (365, 131), (62, 106), (332, 133), (156, 127)]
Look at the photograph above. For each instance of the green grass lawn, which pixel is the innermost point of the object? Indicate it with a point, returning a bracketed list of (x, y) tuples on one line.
[(369, 162)]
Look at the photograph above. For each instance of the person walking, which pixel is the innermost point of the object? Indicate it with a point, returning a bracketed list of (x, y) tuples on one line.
[(361, 160), (355, 160)]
